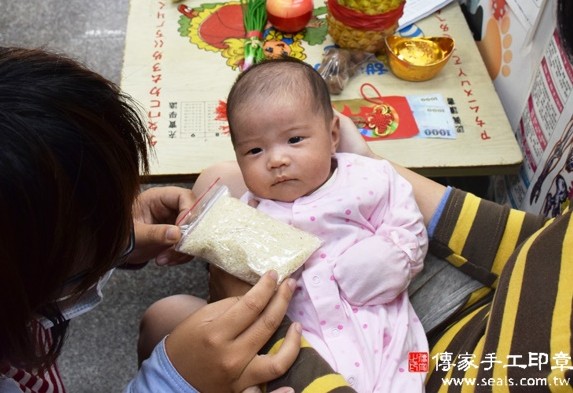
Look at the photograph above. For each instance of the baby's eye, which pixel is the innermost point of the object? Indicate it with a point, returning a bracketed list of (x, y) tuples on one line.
[(295, 139), (255, 150)]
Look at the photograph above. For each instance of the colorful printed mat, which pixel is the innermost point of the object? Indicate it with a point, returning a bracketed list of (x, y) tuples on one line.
[(182, 58)]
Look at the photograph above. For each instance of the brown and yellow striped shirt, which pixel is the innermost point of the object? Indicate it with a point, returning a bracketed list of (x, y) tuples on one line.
[(512, 335)]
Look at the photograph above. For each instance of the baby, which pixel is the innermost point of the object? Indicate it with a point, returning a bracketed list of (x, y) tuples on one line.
[(351, 297)]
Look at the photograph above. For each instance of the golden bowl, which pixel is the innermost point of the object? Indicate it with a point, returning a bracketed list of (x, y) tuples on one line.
[(418, 59)]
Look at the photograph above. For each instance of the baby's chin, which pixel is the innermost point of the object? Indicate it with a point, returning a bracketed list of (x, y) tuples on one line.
[(287, 193), (287, 198)]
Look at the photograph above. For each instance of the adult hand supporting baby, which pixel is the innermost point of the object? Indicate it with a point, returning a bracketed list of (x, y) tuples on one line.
[(215, 349), (427, 192), (350, 139)]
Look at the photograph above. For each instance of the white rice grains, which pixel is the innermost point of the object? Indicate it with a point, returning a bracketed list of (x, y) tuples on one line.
[(247, 243)]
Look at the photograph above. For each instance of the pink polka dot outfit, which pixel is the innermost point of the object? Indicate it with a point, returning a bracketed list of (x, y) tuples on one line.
[(351, 296)]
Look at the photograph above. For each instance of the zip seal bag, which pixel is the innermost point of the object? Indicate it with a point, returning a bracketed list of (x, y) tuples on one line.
[(241, 240)]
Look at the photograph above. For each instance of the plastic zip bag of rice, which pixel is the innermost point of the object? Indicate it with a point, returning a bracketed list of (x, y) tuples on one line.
[(241, 240)]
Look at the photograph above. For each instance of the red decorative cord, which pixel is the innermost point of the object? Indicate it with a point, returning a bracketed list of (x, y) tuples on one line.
[(377, 99)]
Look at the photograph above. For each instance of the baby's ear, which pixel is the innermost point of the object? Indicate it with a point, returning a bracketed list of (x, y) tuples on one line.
[(334, 133)]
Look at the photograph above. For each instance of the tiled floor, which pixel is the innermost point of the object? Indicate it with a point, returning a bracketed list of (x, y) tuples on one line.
[(93, 32), (100, 355)]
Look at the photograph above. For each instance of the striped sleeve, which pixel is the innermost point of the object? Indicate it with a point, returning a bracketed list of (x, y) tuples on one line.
[(34, 381), (520, 339), (478, 236)]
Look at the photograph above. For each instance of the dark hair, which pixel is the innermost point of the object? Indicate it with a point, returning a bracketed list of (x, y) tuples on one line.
[(72, 147), (284, 78)]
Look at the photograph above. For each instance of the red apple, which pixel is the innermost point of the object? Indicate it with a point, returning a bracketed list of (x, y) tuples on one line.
[(289, 16)]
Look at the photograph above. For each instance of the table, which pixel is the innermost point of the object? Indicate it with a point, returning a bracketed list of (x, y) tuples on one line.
[(182, 58)]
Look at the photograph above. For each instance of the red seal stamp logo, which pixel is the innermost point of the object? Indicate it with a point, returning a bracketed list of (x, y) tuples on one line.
[(418, 362)]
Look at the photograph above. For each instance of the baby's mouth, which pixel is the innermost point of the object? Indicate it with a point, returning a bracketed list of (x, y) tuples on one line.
[(280, 179)]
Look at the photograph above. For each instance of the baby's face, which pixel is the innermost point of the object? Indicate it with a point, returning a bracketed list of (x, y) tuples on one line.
[(284, 149)]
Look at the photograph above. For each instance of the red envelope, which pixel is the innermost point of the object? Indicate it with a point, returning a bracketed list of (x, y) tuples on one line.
[(386, 118)]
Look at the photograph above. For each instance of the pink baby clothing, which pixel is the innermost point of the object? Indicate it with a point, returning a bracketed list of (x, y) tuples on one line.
[(351, 295)]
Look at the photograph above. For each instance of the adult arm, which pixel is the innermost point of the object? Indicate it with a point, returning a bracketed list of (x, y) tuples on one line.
[(215, 349), (478, 236), (530, 267), (157, 374), (496, 230)]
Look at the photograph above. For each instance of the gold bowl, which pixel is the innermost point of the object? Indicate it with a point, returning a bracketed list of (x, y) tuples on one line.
[(418, 59)]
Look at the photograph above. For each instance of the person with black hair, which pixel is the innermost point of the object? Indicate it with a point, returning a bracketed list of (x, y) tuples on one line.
[(73, 146)]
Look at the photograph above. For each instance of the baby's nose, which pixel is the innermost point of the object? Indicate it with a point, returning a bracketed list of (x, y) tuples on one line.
[(278, 159)]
